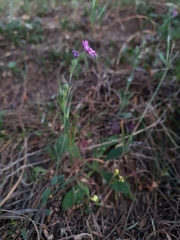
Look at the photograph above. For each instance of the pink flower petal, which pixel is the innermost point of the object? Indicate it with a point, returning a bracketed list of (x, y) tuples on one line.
[(85, 45), (88, 49), (92, 52)]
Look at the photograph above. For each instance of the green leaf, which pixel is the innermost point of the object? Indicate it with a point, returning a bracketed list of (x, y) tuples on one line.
[(93, 4), (82, 55), (61, 178), (116, 152), (39, 170), (73, 65), (86, 190), (161, 56), (57, 179), (107, 176), (74, 196), (74, 151), (60, 145), (122, 187), (48, 212), (24, 233), (98, 152), (86, 10), (125, 115), (45, 195), (1, 120), (12, 64), (122, 94), (102, 10)]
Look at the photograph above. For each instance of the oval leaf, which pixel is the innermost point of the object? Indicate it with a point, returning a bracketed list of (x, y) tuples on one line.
[(74, 196), (122, 187), (107, 176), (115, 153)]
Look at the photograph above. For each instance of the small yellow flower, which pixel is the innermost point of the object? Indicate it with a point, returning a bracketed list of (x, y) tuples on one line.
[(95, 198), (116, 172), (118, 177), (121, 178)]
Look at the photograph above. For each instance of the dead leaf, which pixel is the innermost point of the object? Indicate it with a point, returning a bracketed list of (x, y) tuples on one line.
[(142, 222)]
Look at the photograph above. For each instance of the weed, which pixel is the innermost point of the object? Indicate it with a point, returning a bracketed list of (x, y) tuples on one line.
[(37, 174), (95, 14), (66, 141), (13, 68), (18, 32)]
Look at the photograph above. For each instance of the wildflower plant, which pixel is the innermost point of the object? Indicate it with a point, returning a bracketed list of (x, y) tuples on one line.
[(67, 141), (65, 90), (95, 13)]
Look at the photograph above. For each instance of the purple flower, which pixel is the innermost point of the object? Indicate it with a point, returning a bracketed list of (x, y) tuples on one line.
[(75, 53), (85, 45), (92, 52), (88, 49), (174, 12), (130, 127), (148, 38), (115, 127)]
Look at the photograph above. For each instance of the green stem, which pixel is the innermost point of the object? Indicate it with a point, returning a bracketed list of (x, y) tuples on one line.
[(58, 162)]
